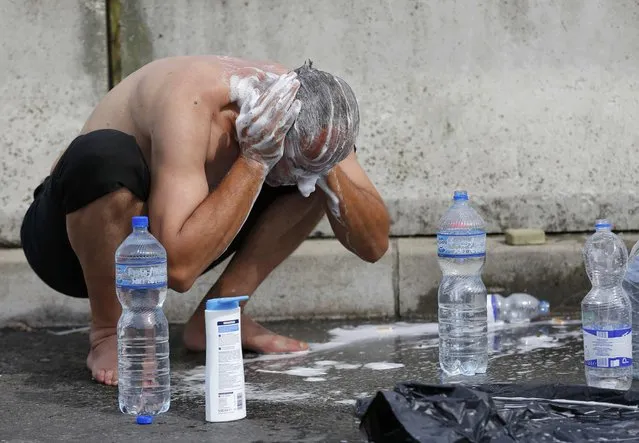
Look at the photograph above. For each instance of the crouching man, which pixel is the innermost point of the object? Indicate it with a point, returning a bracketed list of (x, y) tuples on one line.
[(226, 157)]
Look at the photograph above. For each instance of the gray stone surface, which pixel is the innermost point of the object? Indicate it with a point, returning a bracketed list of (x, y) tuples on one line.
[(323, 280), (54, 70), (527, 105), (26, 299), (320, 280), (553, 271), (47, 394), (524, 104)]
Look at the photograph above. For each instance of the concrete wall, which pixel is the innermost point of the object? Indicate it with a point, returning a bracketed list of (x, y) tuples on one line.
[(529, 105), (53, 58)]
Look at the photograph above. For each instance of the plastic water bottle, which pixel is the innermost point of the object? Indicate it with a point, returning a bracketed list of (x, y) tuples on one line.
[(606, 312), (143, 330), (461, 251), (631, 285), (516, 308)]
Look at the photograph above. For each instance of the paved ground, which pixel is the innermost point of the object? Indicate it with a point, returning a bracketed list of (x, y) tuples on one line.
[(47, 395)]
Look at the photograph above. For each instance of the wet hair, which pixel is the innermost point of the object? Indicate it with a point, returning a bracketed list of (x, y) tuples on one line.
[(328, 123)]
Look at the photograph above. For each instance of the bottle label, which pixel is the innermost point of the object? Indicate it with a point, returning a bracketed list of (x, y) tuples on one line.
[(147, 276), (608, 348), (466, 245), (231, 367)]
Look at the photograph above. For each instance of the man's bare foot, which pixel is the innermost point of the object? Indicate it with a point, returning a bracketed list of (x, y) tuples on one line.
[(103, 356), (255, 337)]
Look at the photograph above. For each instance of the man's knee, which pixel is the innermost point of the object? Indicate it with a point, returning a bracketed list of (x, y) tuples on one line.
[(108, 217), (114, 206)]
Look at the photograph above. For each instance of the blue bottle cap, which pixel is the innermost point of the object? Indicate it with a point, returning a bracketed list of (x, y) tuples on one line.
[(603, 224), (460, 195), (225, 303), (144, 419), (544, 307), (140, 222)]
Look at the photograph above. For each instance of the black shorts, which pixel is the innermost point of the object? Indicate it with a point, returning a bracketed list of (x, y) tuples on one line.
[(94, 165)]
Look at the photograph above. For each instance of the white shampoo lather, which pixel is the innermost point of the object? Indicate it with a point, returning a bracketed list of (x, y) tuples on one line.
[(225, 396)]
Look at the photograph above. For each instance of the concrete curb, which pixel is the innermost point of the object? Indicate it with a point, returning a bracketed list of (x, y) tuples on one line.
[(322, 280)]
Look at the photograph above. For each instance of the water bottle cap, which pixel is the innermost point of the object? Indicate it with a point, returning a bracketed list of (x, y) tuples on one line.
[(225, 303), (140, 222), (144, 419), (603, 224), (544, 307), (460, 195)]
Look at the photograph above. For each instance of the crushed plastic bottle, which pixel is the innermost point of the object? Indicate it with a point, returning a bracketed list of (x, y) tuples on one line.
[(461, 251), (606, 312), (518, 307)]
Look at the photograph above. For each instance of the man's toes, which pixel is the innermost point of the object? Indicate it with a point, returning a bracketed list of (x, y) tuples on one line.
[(300, 345), (284, 344), (106, 376), (99, 375), (111, 378)]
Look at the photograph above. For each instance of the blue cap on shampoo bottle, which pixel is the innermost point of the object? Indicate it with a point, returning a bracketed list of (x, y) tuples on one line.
[(225, 303)]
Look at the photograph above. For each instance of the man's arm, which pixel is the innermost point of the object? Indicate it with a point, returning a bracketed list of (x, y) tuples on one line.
[(193, 225), (196, 226), (359, 217)]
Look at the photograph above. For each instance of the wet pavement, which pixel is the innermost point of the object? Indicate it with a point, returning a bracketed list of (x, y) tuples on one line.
[(47, 394)]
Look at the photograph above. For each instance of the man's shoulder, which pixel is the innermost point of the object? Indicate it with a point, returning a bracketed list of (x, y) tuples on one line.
[(194, 65)]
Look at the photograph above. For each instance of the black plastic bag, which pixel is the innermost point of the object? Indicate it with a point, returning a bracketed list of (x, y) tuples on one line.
[(501, 413)]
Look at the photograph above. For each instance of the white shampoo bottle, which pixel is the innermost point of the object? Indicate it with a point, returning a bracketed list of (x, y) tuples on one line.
[(225, 396)]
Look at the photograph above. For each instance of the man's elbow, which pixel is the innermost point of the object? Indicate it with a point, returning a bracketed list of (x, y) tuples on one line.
[(180, 278), (375, 250)]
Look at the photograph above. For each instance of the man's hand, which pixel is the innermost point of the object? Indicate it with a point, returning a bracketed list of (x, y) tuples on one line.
[(265, 118)]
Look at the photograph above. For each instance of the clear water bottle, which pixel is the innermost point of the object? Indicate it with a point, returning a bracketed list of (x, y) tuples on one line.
[(143, 330), (461, 251), (518, 307), (631, 285), (606, 312)]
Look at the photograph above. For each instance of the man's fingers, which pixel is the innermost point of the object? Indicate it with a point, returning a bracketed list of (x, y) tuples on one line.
[(265, 120), (277, 109), (287, 99), (282, 96), (279, 89), (288, 120), (291, 115)]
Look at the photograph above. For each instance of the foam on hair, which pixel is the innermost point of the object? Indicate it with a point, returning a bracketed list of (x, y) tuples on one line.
[(328, 124)]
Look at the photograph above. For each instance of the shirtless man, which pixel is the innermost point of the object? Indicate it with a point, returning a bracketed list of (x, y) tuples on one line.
[(224, 156)]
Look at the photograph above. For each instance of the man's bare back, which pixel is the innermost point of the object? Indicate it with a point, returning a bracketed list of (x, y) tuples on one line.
[(216, 181), (134, 104)]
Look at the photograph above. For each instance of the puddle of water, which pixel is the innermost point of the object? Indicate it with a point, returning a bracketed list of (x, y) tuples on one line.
[(383, 365), (348, 335), (509, 339), (262, 393), (297, 371), (349, 402)]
